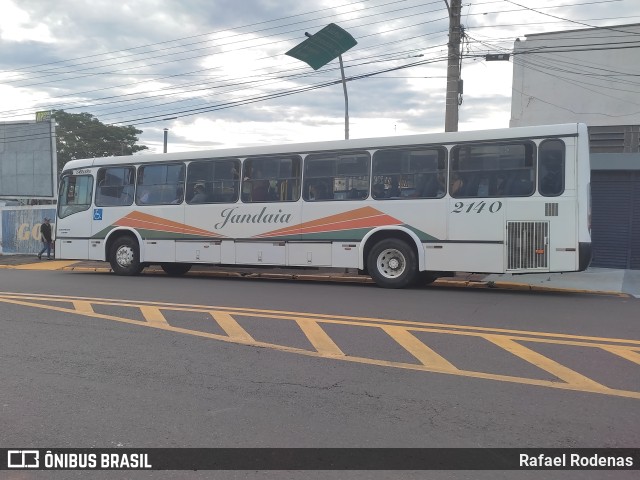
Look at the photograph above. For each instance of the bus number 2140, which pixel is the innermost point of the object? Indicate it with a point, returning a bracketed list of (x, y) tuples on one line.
[(477, 207)]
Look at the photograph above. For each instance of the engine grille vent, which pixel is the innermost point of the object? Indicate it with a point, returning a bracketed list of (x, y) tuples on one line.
[(527, 244)]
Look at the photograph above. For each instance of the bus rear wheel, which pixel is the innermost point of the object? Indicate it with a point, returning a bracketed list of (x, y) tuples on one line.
[(175, 269), (392, 263), (125, 257)]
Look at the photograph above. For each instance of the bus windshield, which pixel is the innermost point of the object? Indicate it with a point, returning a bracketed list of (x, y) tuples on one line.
[(75, 194)]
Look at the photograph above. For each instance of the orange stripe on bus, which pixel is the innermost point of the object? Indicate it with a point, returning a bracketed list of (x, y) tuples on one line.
[(365, 217), (151, 222)]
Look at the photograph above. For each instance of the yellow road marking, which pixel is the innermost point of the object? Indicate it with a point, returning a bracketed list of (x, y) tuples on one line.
[(231, 327), (319, 338), (46, 265), (418, 349), (544, 337), (467, 330), (83, 306), (572, 380), (570, 376), (153, 315), (626, 353)]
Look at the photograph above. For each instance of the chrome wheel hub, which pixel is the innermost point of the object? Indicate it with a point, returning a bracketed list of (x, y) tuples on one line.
[(391, 263)]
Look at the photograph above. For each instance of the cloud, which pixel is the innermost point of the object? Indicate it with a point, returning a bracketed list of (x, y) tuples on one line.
[(219, 66)]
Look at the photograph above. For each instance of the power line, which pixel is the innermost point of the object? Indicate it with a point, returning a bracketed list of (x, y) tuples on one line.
[(567, 20), (248, 100)]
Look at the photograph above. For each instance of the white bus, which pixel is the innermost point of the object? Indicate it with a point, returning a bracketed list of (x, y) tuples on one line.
[(404, 209)]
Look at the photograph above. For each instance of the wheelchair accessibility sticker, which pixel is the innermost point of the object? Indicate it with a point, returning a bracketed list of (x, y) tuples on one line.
[(97, 214)]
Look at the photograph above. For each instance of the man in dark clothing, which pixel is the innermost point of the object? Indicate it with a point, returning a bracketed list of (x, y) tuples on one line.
[(45, 237)]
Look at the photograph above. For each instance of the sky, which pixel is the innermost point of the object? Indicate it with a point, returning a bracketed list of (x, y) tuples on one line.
[(215, 74)]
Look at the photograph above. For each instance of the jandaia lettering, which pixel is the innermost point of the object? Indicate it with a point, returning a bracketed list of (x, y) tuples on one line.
[(229, 215)]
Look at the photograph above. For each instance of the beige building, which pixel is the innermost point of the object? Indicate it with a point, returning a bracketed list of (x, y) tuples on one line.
[(591, 75)]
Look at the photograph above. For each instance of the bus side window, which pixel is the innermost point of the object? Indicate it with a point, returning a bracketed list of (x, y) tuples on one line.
[(115, 186), (520, 184), (271, 179), (551, 168), (407, 173), (493, 169), (329, 176), (160, 184)]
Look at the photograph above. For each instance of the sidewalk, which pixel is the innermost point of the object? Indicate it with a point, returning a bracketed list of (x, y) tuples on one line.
[(594, 280)]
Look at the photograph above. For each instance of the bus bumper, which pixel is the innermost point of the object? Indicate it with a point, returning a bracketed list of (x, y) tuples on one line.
[(584, 255)]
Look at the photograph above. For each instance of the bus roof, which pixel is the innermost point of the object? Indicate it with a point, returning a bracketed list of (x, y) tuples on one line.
[(566, 129)]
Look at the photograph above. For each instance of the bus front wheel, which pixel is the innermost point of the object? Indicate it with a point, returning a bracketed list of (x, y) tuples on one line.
[(392, 263), (175, 269), (125, 257)]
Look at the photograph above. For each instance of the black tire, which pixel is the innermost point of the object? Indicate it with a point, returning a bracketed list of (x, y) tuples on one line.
[(392, 263), (124, 257), (175, 269)]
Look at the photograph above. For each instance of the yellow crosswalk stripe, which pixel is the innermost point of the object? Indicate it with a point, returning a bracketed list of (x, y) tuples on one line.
[(319, 338), (554, 368), (231, 327), (153, 315), (83, 306), (418, 349), (626, 353)]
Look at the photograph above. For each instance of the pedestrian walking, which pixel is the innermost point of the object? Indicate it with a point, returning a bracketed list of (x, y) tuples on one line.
[(45, 237)]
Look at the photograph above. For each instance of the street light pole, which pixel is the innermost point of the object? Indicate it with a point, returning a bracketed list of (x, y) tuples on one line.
[(346, 97), (166, 133), (319, 49), (346, 101)]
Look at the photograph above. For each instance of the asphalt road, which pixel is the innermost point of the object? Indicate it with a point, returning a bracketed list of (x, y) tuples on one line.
[(96, 360)]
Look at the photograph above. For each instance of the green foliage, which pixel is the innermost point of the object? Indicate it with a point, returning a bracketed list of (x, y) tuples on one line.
[(81, 135)]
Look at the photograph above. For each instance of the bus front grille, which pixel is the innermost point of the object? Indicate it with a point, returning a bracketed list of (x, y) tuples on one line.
[(527, 245)]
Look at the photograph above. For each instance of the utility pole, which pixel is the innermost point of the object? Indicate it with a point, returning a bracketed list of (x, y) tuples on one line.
[(453, 67)]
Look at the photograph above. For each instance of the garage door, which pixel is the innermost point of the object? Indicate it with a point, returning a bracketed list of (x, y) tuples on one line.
[(615, 223)]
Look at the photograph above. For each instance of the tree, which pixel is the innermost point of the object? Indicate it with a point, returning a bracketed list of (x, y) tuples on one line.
[(81, 135)]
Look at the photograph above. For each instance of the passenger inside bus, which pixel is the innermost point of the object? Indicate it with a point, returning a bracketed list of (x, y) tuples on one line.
[(144, 194), (318, 191), (259, 186), (456, 187), (198, 194), (378, 191), (394, 188), (551, 169), (520, 183)]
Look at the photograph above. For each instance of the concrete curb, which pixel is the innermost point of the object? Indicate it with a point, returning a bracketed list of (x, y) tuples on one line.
[(541, 288), (443, 282), (467, 281)]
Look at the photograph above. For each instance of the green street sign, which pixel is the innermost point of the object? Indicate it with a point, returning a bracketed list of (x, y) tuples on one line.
[(319, 49)]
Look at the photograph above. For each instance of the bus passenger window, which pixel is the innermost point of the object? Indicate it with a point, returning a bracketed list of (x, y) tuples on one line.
[(115, 186), (160, 184), (331, 176), (492, 170), (416, 172), (551, 168), (271, 179)]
